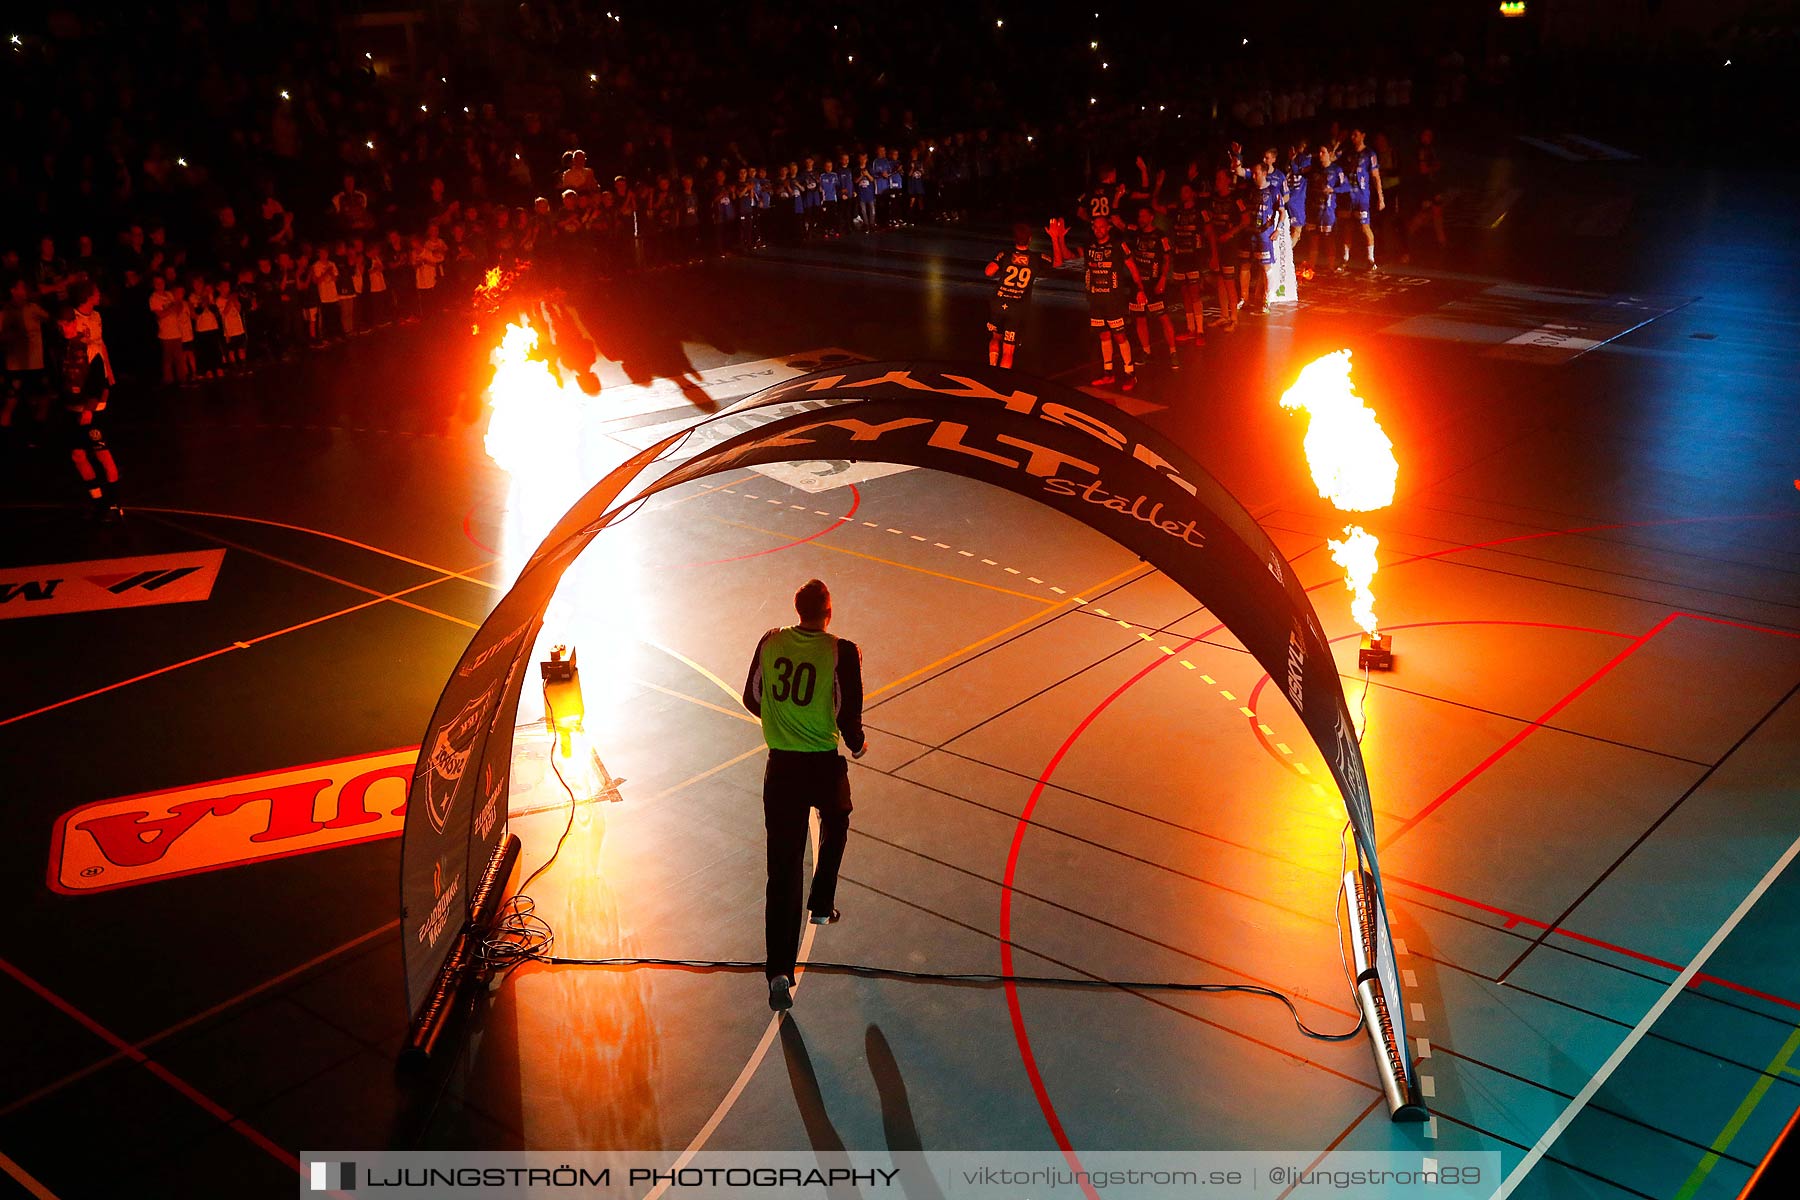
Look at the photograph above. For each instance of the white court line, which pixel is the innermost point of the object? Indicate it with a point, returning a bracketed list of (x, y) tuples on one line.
[(1643, 1027), (757, 1055)]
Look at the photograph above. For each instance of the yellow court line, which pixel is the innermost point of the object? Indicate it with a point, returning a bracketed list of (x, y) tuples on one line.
[(1735, 1126), (737, 697), (100, 1064), (707, 774), (326, 575), (235, 645), (194, 512), (25, 1179), (1000, 633), (822, 545), (738, 712)]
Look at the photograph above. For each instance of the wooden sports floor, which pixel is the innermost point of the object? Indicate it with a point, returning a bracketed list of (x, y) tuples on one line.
[(1583, 762)]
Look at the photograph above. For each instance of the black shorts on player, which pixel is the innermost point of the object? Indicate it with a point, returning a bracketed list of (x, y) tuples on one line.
[(1153, 304), (1106, 311), (1003, 319)]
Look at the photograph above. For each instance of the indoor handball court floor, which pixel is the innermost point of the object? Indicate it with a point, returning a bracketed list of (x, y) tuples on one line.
[(1583, 761)]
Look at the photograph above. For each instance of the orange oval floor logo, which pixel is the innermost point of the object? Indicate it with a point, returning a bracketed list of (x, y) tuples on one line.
[(230, 822)]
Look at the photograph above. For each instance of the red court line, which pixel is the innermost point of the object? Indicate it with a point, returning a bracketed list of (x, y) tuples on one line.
[(1513, 918), (1512, 743), (469, 531), (1023, 1037), (243, 645), (1256, 722), (855, 503), (1786, 633), (199, 1098), (1547, 533), (1020, 1034)]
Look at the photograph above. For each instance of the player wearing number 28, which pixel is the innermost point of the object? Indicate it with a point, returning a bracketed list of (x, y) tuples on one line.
[(806, 685)]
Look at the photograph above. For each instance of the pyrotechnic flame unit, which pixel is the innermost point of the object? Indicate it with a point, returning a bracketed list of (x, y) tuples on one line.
[(1353, 465), (576, 761)]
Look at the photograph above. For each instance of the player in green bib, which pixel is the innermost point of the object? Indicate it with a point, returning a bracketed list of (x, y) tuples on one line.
[(806, 685)]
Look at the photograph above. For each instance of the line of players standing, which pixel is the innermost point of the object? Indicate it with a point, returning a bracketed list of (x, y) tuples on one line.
[(1225, 229)]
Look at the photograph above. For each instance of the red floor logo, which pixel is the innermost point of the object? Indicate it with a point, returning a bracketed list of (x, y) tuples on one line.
[(108, 583), (230, 822)]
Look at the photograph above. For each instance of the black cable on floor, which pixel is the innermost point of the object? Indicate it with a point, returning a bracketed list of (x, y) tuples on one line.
[(974, 977), (520, 936)]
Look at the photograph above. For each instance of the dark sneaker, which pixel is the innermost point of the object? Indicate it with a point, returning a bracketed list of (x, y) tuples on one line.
[(1130, 381), (831, 918), (781, 994), (1106, 380)]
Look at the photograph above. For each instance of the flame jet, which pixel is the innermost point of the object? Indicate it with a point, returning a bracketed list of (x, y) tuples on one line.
[(1353, 466)]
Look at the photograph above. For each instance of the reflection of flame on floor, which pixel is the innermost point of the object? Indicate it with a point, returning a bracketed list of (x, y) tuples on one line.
[(584, 1053), (1353, 466)]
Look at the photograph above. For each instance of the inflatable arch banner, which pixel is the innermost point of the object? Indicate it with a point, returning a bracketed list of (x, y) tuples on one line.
[(1050, 443)]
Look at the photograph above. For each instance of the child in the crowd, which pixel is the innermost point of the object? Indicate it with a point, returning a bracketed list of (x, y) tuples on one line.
[(184, 318), (325, 288), (209, 343), (165, 308), (380, 303), (231, 323), (306, 290)]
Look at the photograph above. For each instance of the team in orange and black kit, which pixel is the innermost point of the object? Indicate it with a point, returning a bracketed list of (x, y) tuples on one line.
[(1187, 244), (1227, 225), (1108, 269), (1014, 270), (1150, 252)]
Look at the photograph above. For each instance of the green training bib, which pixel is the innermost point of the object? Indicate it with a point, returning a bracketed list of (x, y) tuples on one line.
[(799, 673)]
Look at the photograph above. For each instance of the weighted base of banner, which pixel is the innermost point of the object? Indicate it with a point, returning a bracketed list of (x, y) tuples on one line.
[(1393, 1066), (427, 1030)]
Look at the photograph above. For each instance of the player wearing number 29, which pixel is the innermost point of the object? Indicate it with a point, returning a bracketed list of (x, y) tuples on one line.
[(806, 685), (1013, 272)]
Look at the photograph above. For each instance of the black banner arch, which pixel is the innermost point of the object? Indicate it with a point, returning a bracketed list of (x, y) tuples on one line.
[(1054, 444)]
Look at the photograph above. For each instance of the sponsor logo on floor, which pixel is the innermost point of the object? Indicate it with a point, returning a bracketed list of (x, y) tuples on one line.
[(104, 583), (1572, 147), (1546, 326), (722, 385), (230, 822)]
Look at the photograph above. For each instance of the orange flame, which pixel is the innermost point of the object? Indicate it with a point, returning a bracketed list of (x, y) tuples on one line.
[(1351, 458), (1356, 554), (1353, 465), (532, 413)]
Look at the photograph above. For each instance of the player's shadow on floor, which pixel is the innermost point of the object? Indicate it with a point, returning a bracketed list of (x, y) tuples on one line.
[(897, 1123), (827, 1144), (646, 326), (898, 1126)]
